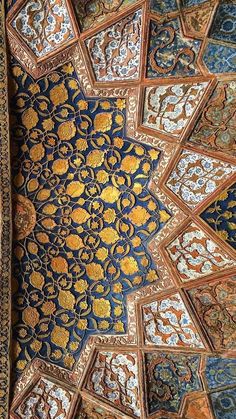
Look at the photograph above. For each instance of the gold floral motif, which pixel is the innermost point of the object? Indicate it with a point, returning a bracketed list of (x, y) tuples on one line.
[(66, 131), (80, 216), (30, 316), (59, 265), (95, 158), (139, 216), (60, 336), (103, 122), (101, 307), (74, 242), (129, 265), (58, 94), (130, 164), (75, 189), (110, 194), (60, 166), (95, 271), (30, 118), (109, 235), (66, 300)]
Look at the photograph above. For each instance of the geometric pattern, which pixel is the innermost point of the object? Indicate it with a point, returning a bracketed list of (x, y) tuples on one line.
[(123, 163)]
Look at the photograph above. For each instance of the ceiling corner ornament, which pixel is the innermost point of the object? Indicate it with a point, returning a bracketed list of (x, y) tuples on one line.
[(42, 34)]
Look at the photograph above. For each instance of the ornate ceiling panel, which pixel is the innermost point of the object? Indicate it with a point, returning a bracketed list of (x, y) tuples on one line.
[(123, 189)]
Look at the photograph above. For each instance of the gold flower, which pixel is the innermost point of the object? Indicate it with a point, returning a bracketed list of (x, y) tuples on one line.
[(119, 119), (109, 235), (121, 104), (74, 242), (130, 164), (117, 288), (164, 216), (118, 142), (69, 361), (73, 84), (60, 166), (80, 215), (68, 68), (139, 216), (110, 194), (81, 144), (37, 152), (118, 311), (30, 316), (109, 215), (101, 307), (34, 88), (102, 253), (75, 189), (103, 122), (153, 154), (59, 265), (58, 94), (17, 71), (48, 308), (82, 324), (95, 271), (66, 300), (105, 105), (37, 280), (36, 345), (103, 325), (20, 365), (95, 158), (81, 286), (223, 234), (82, 105), (48, 124), (102, 176), (152, 275), (119, 327), (129, 265), (30, 118), (60, 336), (66, 130)]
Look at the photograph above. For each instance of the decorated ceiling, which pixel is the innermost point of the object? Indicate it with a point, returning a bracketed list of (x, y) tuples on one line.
[(122, 118)]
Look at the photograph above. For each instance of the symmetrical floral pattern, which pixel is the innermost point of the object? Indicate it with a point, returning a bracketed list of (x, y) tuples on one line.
[(224, 403), (90, 12), (221, 215), (169, 108), (115, 52), (88, 186), (195, 255), (169, 379), (47, 401), (196, 20), (220, 372), (223, 27), (216, 127), (114, 377), (44, 25), (196, 176), (167, 322), (169, 53), (215, 305)]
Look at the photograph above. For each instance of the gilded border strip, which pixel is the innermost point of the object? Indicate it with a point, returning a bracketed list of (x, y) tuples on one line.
[(5, 227)]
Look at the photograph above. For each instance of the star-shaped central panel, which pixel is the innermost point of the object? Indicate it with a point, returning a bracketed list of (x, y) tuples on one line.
[(83, 216)]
